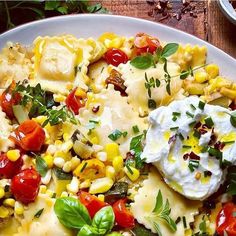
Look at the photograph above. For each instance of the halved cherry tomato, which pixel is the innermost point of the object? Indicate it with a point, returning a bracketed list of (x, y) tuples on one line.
[(226, 221), (124, 217), (145, 43), (115, 57), (233, 106), (74, 102), (9, 168), (92, 203), (25, 185), (9, 99), (29, 135)]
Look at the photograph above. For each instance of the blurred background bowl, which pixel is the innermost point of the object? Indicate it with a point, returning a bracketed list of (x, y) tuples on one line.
[(228, 10)]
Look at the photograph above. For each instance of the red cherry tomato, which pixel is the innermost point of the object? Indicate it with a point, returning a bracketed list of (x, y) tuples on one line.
[(29, 135), (25, 185), (226, 221), (74, 102), (92, 203), (8, 99), (9, 168), (233, 106), (145, 43), (124, 217), (115, 57)]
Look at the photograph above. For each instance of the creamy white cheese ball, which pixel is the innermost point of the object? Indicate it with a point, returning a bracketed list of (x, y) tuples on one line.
[(190, 161)]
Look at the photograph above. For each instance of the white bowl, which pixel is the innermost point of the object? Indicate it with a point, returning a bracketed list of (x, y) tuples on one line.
[(227, 10), (86, 25)]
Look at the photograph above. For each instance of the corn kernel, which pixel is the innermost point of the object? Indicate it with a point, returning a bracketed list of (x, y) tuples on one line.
[(49, 160), (118, 163), (67, 167), (40, 119), (101, 185), (212, 70), (59, 162), (66, 136), (46, 179), (85, 184), (9, 202), (13, 155), (101, 197), (201, 77), (97, 148), (58, 142), (2, 192), (102, 156), (110, 172), (112, 150), (94, 140), (19, 209), (198, 176), (67, 146), (4, 212), (132, 173), (69, 86), (75, 161), (64, 194), (49, 192), (80, 93), (195, 88), (59, 98), (42, 188), (73, 187), (229, 93)]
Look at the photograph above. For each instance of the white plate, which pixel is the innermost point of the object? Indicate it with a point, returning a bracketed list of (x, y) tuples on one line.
[(86, 25)]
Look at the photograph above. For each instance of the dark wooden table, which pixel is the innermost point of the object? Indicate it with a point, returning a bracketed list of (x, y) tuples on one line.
[(207, 22)]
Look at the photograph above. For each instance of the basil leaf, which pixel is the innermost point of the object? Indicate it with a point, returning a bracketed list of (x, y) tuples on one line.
[(233, 119), (140, 230), (71, 213), (88, 230), (169, 49), (61, 175), (41, 166), (104, 219), (142, 62)]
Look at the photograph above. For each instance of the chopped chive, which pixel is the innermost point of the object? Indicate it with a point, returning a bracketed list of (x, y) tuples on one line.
[(209, 122), (116, 134), (152, 104), (176, 113), (193, 164), (129, 169), (189, 114), (38, 213), (197, 134), (186, 146), (201, 105), (228, 142), (192, 124), (135, 129), (207, 173), (174, 118), (215, 152), (54, 195), (204, 149), (178, 220), (84, 166), (174, 128), (184, 222), (124, 134), (193, 107), (181, 136), (94, 121)]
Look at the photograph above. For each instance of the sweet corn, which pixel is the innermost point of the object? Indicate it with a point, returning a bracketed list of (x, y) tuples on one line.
[(73, 187), (132, 173), (112, 150), (49, 192), (102, 156), (46, 179), (40, 119), (42, 188), (64, 194), (80, 93), (67, 166), (2, 192), (19, 209), (101, 197), (59, 162), (59, 98), (201, 77), (195, 88), (85, 184), (212, 70), (49, 160), (13, 155), (69, 86), (66, 136), (101, 185), (97, 148), (110, 172), (58, 142), (75, 161), (118, 163), (94, 140), (229, 93), (67, 146), (10, 202), (4, 212)]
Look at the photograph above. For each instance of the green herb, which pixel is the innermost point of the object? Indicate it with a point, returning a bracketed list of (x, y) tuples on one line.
[(129, 169), (201, 105), (83, 167), (233, 119), (180, 136), (186, 146), (61, 175), (192, 124), (184, 222), (209, 122), (169, 49), (189, 114), (174, 118), (161, 212), (193, 107), (174, 128), (176, 113), (228, 142), (215, 152), (116, 134), (193, 164), (54, 195), (140, 230), (142, 62), (202, 226), (135, 129), (118, 190), (38, 213), (71, 213), (231, 180), (151, 83), (152, 104), (197, 134), (41, 166), (88, 230), (137, 148)]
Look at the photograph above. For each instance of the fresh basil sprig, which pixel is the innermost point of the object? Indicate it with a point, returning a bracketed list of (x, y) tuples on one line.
[(143, 62), (71, 213), (233, 119), (161, 211), (41, 165)]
